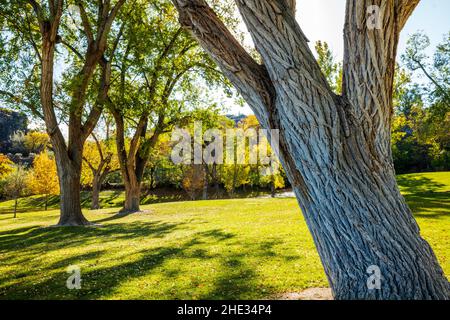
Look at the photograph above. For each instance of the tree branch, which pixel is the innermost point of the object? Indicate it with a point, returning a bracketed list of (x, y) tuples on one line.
[(90, 165), (134, 143), (30, 36), (404, 10), (51, 5), (99, 146), (106, 23), (250, 78), (39, 14), (102, 98), (85, 21), (16, 99), (72, 48), (115, 11)]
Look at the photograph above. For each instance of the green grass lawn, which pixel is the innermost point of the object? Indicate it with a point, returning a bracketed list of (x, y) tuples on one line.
[(221, 249)]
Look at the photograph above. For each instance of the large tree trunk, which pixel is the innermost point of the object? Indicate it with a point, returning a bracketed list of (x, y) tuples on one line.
[(132, 197), (69, 182), (359, 219), (335, 149), (68, 154), (68, 170), (132, 168), (133, 162)]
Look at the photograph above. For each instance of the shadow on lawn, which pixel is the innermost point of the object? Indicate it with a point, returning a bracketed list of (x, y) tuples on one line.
[(108, 199), (418, 184), (33, 239), (429, 205), (30, 204), (234, 279), (425, 196), (25, 244)]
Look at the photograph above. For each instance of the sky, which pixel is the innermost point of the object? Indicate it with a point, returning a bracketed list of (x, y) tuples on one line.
[(324, 20)]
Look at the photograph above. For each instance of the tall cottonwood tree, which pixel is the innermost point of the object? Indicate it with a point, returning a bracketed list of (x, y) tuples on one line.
[(335, 148), (44, 28), (42, 179), (151, 68)]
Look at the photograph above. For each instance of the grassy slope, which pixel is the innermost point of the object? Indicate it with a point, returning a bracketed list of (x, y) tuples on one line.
[(224, 249)]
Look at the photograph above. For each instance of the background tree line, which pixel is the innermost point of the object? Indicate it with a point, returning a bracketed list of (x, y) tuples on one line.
[(421, 122), (420, 130), (109, 81)]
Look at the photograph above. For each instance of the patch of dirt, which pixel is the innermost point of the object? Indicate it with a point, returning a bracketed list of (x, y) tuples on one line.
[(308, 294)]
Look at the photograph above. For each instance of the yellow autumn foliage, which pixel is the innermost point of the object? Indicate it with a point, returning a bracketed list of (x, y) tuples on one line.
[(5, 166), (43, 178)]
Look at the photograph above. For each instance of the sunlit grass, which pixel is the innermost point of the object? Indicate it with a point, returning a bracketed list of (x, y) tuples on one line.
[(220, 249)]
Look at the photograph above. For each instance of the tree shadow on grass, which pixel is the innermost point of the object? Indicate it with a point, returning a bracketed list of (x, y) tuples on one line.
[(418, 184), (235, 281), (29, 243), (36, 239), (425, 196), (31, 204), (108, 199), (236, 278), (25, 246), (429, 205)]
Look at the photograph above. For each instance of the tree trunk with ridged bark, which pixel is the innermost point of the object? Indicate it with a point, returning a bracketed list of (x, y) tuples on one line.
[(335, 149), (69, 181), (68, 153), (132, 197)]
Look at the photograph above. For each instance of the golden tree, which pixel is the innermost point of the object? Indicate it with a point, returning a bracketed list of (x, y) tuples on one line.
[(99, 160), (43, 178), (5, 166), (36, 141)]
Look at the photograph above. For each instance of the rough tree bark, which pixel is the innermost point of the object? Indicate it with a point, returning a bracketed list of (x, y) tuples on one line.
[(335, 149), (69, 155)]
